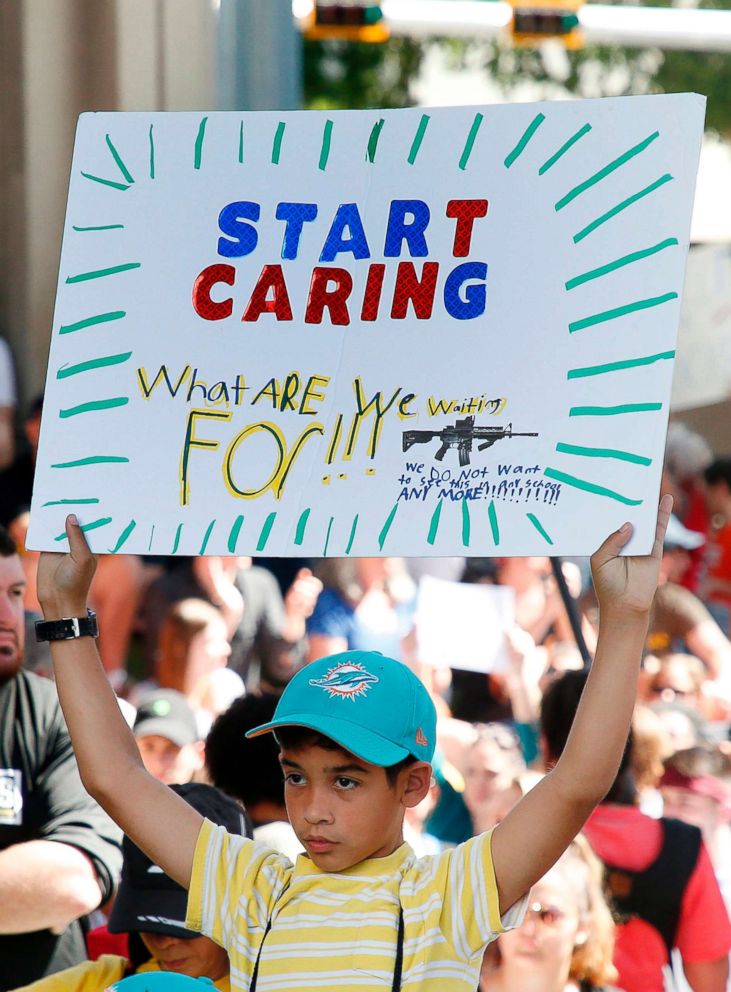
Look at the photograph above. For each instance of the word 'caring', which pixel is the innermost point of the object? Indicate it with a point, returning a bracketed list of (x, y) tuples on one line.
[(334, 288)]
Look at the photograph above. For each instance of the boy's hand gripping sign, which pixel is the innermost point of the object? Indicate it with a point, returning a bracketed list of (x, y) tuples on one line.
[(402, 332)]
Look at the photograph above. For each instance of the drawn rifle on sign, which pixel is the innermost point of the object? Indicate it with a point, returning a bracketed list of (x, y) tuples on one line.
[(460, 436)]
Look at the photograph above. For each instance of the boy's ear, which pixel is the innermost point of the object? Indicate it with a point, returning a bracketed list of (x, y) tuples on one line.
[(416, 783)]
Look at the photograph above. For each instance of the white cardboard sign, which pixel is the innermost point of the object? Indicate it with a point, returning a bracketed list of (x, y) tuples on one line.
[(416, 332), (462, 625)]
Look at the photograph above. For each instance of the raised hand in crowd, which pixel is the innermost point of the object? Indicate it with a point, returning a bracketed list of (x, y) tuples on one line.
[(216, 575), (299, 602)]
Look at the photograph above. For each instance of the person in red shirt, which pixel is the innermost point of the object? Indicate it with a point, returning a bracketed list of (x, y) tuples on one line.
[(663, 886)]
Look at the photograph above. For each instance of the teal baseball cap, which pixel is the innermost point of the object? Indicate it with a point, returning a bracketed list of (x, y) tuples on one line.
[(371, 705)]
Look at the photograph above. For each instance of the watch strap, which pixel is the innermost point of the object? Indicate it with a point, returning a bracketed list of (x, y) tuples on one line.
[(67, 628)]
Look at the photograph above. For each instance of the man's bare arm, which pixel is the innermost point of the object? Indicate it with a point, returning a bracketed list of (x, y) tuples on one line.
[(44, 885), (537, 831), (156, 819)]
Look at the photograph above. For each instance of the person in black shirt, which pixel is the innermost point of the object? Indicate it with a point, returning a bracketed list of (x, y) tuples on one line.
[(59, 853)]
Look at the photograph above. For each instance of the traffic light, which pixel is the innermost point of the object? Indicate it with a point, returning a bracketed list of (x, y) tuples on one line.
[(347, 20), (534, 21)]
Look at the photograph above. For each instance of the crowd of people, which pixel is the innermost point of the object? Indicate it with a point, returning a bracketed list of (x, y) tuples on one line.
[(199, 651)]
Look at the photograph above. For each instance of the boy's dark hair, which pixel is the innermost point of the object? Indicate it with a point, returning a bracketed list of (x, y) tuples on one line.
[(718, 471), (298, 737), (247, 769), (7, 544), (558, 709)]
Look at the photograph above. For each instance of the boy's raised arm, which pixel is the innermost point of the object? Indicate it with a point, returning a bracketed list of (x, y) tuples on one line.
[(537, 831), (156, 819)]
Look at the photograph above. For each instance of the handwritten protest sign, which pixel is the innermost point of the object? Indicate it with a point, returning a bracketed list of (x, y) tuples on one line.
[(415, 332), (461, 625)]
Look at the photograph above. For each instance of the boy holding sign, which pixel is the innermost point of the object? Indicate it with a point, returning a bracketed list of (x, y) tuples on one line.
[(357, 732)]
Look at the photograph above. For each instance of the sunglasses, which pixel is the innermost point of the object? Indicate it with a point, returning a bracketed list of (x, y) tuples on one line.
[(548, 915)]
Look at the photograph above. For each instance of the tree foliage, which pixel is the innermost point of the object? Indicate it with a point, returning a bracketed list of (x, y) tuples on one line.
[(356, 75), (342, 74)]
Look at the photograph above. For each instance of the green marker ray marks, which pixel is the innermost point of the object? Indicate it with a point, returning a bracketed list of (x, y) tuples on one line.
[(101, 522), (525, 138), (93, 363), (93, 406), (200, 137), (123, 537), (113, 270), (326, 141), (99, 318), (620, 366), (550, 162), (373, 140), (266, 531), (206, 537), (466, 524), (606, 171), (588, 452), (118, 159), (418, 138), (619, 263), (98, 227), (469, 143), (600, 318), (494, 527), (233, 536), (434, 523), (539, 527), (589, 487), (614, 411), (105, 182), (613, 211), (92, 460), (386, 527), (351, 538)]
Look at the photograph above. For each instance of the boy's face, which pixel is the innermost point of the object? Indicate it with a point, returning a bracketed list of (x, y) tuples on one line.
[(167, 761), (197, 957), (343, 809)]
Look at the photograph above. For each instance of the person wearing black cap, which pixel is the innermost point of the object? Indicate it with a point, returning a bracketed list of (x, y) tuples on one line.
[(150, 908)]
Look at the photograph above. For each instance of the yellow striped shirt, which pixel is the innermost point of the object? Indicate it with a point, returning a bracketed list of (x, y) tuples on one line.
[(337, 930)]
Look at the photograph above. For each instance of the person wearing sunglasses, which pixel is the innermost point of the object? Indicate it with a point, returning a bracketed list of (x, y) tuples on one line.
[(566, 940)]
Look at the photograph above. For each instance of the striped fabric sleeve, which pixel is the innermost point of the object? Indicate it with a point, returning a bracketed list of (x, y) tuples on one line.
[(471, 908), (234, 885)]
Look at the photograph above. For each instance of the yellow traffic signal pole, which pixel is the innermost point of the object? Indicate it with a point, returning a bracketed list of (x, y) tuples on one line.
[(600, 24)]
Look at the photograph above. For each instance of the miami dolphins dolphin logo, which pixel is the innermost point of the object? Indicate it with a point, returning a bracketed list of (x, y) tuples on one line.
[(346, 680)]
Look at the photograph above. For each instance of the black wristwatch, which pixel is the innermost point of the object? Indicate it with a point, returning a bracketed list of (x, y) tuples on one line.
[(67, 628)]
